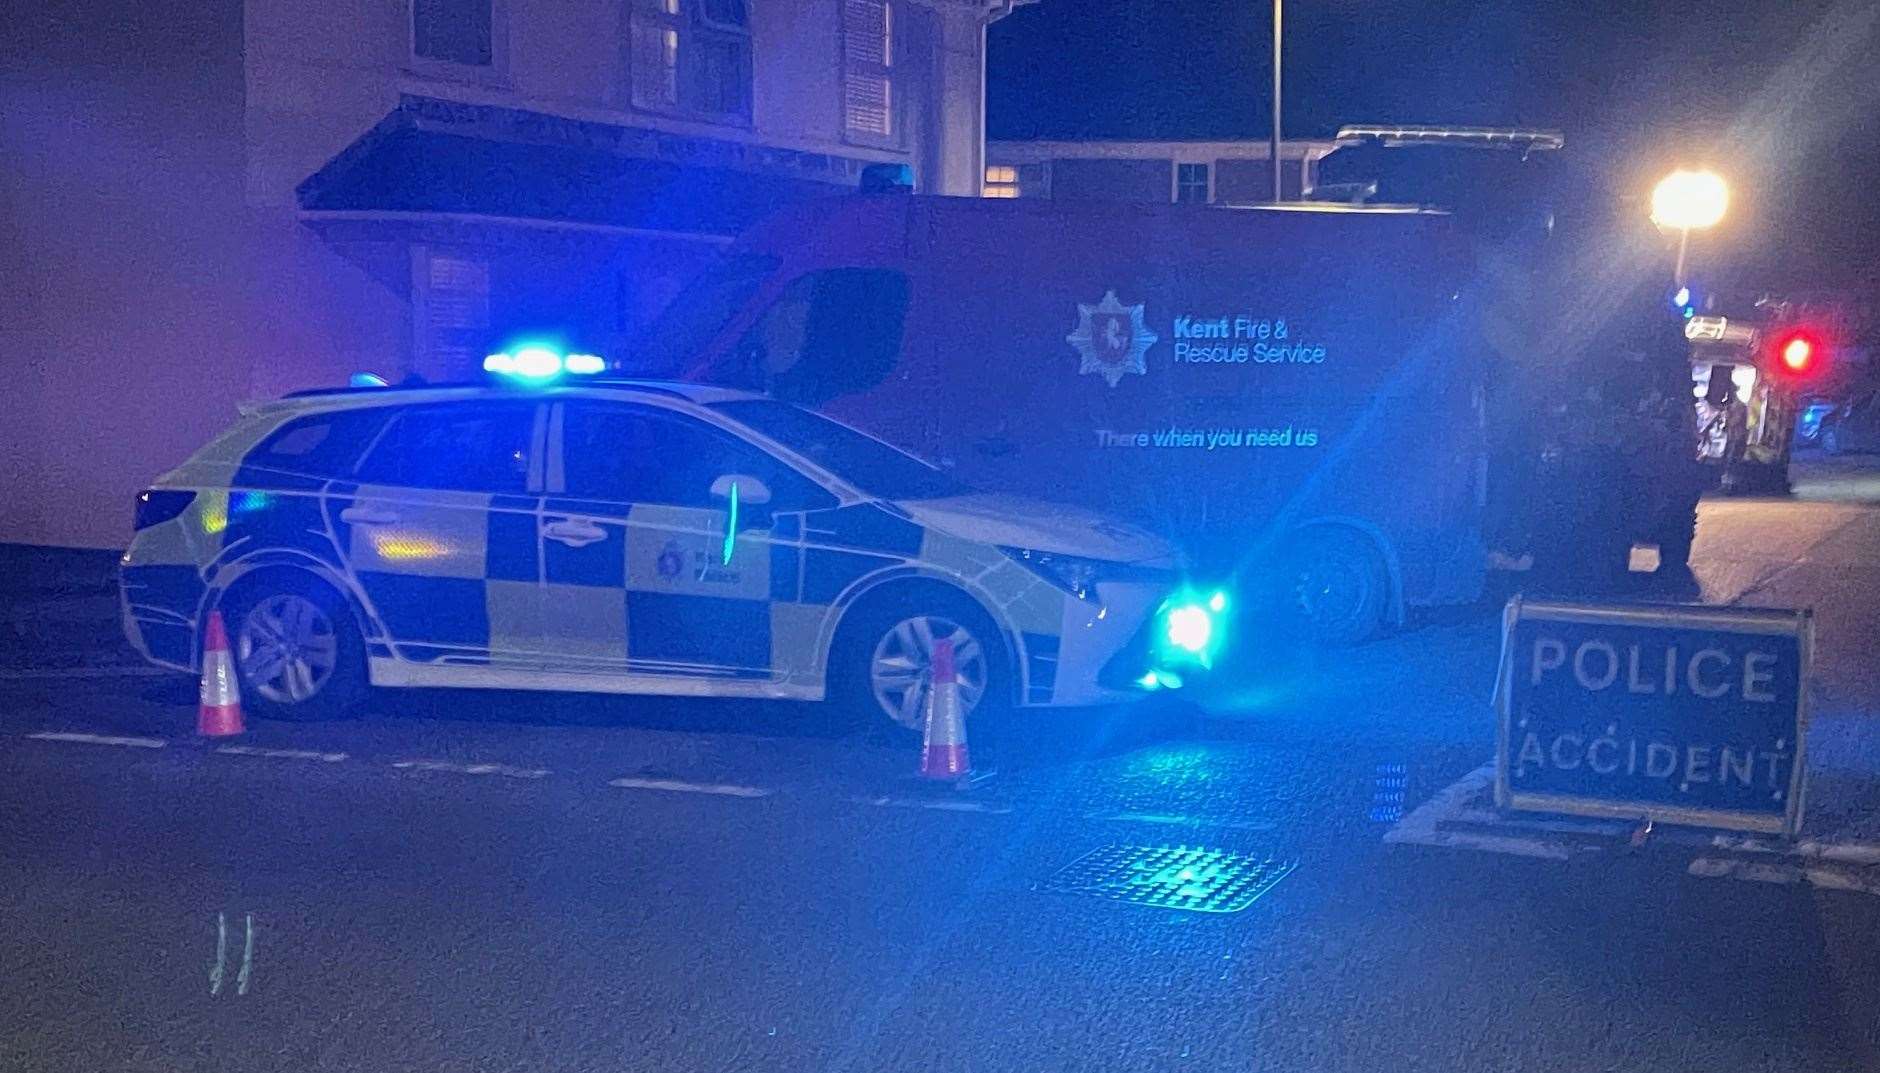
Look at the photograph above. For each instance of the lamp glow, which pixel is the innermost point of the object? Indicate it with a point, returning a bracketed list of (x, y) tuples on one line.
[(1690, 200)]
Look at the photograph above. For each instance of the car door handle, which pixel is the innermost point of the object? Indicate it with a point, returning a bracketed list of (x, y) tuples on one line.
[(574, 533), (367, 516)]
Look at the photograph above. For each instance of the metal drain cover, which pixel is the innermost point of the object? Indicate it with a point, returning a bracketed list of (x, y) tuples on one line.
[(1170, 877)]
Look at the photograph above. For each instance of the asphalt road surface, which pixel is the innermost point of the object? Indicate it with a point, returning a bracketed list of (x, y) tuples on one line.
[(521, 882)]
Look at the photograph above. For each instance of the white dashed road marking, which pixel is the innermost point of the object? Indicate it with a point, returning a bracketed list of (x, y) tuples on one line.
[(88, 672), (281, 754), (473, 769), (99, 739), (936, 805), (720, 788)]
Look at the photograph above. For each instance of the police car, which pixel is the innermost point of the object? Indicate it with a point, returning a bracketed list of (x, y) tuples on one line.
[(632, 537)]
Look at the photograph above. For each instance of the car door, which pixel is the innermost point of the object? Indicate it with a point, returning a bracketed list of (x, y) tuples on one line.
[(645, 570), (441, 531)]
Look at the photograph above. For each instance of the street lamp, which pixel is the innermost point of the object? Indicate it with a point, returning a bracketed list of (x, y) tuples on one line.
[(1279, 189), (1687, 201)]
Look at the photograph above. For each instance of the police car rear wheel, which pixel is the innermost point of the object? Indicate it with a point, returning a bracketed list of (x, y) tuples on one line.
[(297, 651)]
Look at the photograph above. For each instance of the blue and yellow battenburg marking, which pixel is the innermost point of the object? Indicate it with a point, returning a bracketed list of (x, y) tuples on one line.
[(471, 578)]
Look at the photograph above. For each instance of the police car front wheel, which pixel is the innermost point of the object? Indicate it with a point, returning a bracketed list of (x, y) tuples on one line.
[(883, 659), (900, 669), (297, 650)]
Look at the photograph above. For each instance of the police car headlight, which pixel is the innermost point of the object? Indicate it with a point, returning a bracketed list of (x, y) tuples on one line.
[(1190, 628), (1071, 574)]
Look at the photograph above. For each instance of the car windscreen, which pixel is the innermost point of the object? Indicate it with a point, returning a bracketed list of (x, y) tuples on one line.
[(669, 344), (869, 464)]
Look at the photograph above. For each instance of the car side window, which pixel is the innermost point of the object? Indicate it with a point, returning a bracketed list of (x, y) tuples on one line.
[(319, 445), (469, 448), (637, 454), (831, 333)]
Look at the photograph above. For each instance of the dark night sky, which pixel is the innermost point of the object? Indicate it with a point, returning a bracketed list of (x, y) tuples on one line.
[(1781, 97)]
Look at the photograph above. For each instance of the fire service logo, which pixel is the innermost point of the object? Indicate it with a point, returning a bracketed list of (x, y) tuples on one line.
[(1111, 338)]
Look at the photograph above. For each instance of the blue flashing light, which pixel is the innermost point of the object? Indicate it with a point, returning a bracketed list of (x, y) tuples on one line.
[(536, 362), (539, 362), (365, 380), (1159, 679), (1682, 298), (1189, 632), (1190, 628)]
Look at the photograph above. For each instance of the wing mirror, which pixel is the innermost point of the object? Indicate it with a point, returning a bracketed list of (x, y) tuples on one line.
[(751, 491)]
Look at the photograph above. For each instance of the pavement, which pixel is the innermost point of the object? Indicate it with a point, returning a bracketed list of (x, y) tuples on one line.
[(527, 882)]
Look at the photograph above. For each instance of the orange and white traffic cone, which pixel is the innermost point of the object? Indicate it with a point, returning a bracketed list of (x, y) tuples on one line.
[(943, 746), (220, 713)]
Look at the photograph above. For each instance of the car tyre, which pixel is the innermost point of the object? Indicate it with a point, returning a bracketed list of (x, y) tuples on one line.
[(297, 648), (1333, 584), (878, 663)]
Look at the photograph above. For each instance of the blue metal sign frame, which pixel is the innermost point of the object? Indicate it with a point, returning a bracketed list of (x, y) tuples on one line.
[(1612, 677)]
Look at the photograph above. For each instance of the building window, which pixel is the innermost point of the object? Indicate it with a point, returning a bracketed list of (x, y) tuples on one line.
[(1014, 180), (692, 56), (461, 32), (1191, 183), (1001, 180), (868, 98)]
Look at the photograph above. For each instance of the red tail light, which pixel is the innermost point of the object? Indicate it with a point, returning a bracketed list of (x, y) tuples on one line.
[(1796, 353)]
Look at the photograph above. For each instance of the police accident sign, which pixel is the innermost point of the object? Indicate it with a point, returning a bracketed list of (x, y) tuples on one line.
[(1692, 715)]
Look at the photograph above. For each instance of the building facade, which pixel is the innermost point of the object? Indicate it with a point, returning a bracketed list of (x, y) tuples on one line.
[(1218, 173), (208, 201)]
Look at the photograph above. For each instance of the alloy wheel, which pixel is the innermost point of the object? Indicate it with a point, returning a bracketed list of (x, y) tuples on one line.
[(898, 670), (287, 647)]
